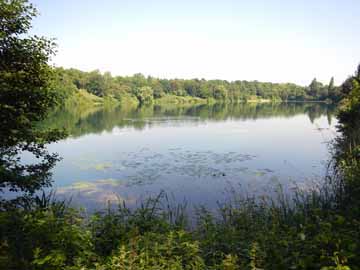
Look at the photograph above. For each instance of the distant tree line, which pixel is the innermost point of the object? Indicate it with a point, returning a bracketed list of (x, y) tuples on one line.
[(146, 89)]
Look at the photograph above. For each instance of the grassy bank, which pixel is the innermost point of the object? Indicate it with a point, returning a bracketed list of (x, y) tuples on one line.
[(172, 99), (82, 98)]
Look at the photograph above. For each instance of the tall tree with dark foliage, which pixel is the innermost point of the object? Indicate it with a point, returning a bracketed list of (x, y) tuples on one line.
[(25, 98)]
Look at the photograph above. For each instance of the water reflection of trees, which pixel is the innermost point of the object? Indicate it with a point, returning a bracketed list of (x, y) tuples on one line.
[(80, 121)]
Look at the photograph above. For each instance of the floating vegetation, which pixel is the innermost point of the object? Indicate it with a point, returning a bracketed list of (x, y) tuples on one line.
[(110, 182), (101, 190), (262, 172), (89, 164), (87, 185), (145, 167), (179, 162), (83, 185), (259, 173), (102, 166)]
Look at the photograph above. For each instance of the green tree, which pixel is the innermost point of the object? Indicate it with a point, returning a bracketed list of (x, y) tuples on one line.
[(331, 86), (347, 146), (220, 92), (25, 97), (204, 90), (158, 91), (314, 88), (333, 91), (145, 95), (139, 80), (95, 83)]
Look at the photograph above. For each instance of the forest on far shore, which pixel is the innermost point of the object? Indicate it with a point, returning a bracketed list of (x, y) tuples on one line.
[(145, 90)]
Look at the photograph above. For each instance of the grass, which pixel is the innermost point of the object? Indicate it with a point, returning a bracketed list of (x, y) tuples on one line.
[(307, 231), (172, 99)]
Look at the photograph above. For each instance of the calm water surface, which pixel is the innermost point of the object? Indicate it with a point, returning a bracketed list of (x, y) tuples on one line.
[(195, 153)]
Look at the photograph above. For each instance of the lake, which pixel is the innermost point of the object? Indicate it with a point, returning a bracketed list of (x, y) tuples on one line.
[(196, 153)]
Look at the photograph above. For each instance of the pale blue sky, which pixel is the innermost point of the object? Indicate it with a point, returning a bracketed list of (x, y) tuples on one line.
[(268, 40)]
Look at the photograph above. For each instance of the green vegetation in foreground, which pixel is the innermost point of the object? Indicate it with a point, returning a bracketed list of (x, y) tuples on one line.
[(317, 229)]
